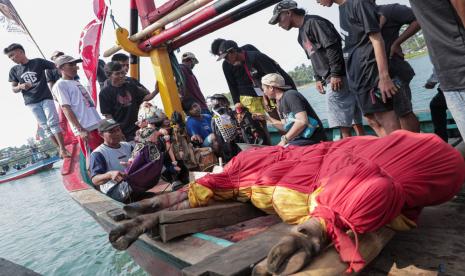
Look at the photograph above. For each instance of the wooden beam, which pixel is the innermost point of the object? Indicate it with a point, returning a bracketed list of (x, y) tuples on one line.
[(239, 258), (178, 223)]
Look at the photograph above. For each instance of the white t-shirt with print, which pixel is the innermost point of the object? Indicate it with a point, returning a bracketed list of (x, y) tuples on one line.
[(72, 93)]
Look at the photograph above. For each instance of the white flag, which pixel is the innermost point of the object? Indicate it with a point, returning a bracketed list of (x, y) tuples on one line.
[(9, 18)]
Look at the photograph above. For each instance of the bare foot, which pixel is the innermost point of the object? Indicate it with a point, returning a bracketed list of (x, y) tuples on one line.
[(124, 235), (295, 250), (155, 204)]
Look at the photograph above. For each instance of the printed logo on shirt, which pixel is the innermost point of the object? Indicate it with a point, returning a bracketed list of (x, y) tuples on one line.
[(308, 46), (88, 100), (125, 100), (30, 77)]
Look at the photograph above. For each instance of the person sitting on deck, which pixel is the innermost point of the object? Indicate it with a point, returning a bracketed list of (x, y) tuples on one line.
[(298, 119)]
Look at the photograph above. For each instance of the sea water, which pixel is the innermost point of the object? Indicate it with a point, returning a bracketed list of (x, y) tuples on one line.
[(43, 229)]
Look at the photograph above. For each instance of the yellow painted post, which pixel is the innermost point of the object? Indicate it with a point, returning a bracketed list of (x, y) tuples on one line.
[(165, 78)]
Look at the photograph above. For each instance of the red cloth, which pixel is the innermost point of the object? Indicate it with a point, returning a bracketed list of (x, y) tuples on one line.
[(94, 140), (367, 181)]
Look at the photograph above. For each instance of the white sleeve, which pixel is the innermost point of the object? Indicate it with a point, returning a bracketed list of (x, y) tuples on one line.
[(61, 91)]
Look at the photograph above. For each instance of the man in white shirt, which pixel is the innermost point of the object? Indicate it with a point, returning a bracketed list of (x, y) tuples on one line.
[(77, 105)]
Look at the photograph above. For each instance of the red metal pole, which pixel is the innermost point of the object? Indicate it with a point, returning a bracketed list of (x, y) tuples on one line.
[(198, 18), (165, 9), (145, 7), (223, 21)]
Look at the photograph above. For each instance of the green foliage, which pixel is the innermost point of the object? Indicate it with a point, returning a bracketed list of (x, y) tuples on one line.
[(302, 74)]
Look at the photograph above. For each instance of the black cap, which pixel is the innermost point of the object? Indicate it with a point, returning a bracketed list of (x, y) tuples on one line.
[(225, 47), (285, 5), (107, 125)]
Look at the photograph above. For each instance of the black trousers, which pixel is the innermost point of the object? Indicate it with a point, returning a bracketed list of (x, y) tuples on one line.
[(438, 107)]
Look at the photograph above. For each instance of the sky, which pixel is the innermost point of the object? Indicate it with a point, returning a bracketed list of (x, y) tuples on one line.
[(57, 24)]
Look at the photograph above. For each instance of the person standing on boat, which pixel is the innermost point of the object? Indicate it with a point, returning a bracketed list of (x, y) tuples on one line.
[(123, 59), (443, 27), (392, 18), (322, 44), (298, 119), (77, 104), (367, 64), (28, 77), (106, 162), (120, 100), (190, 88)]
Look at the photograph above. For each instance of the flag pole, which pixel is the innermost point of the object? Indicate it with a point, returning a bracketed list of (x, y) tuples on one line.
[(27, 30)]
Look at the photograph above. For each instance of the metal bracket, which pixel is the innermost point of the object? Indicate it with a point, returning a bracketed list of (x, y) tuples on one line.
[(122, 39)]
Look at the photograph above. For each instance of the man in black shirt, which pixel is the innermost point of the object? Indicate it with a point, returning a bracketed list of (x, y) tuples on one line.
[(367, 64), (123, 59), (240, 86), (120, 99), (443, 27), (322, 44), (298, 119), (255, 64), (28, 77), (392, 18)]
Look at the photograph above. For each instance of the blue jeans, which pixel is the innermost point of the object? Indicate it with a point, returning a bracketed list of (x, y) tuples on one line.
[(456, 104), (47, 116)]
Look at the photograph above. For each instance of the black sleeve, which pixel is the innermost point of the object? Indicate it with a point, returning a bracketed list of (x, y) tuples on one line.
[(249, 47), (106, 106), (266, 64), (324, 32), (228, 74), (367, 13), (12, 76), (49, 76), (47, 64), (336, 60), (293, 102)]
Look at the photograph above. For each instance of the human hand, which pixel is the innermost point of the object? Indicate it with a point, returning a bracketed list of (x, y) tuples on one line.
[(84, 134), (319, 87), (336, 83), (430, 85), (387, 88), (116, 176), (25, 86)]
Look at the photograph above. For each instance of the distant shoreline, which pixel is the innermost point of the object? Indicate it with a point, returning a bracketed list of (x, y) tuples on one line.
[(407, 56)]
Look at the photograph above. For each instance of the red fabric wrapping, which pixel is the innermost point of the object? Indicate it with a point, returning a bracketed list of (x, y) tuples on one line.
[(366, 181)]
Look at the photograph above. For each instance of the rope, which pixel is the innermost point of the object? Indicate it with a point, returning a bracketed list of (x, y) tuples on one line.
[(113, 20)]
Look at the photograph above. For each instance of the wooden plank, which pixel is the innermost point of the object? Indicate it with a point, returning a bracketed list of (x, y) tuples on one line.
[(178, 223), (239, 259), (8, 268)]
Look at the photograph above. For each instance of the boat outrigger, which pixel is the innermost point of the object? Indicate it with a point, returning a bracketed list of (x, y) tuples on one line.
[(230, 238)]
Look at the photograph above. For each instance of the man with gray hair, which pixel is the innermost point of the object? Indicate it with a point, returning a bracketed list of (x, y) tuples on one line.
[(298, 119)]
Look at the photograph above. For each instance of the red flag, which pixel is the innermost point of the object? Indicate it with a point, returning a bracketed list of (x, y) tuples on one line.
[(89, 45)]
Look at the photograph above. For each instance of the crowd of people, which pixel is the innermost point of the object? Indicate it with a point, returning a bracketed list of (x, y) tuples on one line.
[(362, 74)]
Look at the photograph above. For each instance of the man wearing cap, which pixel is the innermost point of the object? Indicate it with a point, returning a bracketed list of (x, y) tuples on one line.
[(28, 77), (191, 88), (106, 162), (76, 103), (298, 119), (322, 44)]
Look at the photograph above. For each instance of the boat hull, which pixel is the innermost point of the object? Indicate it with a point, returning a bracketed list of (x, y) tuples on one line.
[(33, 169)]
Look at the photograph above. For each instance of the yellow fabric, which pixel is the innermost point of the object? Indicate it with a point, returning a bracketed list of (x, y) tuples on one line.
[(291, 206), (402, 223), (253, 104)]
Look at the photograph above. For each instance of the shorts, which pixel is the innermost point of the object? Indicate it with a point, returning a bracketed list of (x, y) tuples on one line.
[(402, 101), (371, 104), (343, 107), (47, 116), (120, 192), (253, 104)]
